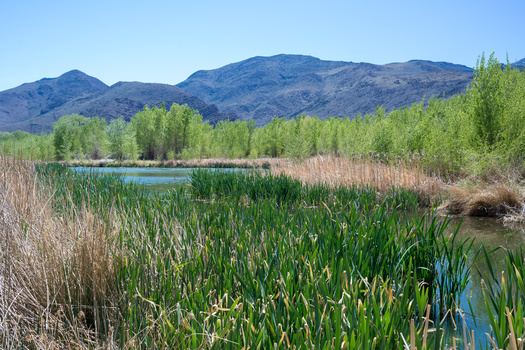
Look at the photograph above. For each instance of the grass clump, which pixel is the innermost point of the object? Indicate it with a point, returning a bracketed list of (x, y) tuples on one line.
[(56, 271), (496, 200)]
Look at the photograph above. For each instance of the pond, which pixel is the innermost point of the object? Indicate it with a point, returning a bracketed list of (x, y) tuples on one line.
[(154, 179), (487, 231), (492, 234)]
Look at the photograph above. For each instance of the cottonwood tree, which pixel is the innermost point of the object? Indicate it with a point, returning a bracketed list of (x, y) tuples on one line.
[(78, 136), (121, 139)]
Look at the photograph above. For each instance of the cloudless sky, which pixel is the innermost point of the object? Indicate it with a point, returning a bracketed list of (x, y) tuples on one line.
[(167, 41)]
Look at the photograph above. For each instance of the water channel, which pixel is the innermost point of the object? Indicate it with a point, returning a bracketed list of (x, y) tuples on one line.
[(487, 231)]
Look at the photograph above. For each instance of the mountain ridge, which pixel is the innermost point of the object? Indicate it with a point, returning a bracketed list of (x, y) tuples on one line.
[(30, 99), (35, 106), (288, 85)]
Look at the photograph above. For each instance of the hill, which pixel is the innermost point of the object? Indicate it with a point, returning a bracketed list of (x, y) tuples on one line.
[(26, 101), (289, 85), (34, 107)]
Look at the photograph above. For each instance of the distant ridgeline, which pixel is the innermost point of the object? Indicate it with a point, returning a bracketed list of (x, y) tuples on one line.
[(480, 130), (34, 107), (289, 85)]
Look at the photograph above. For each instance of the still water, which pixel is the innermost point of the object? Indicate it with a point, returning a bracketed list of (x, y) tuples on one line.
[(154, 179), (489, 232)]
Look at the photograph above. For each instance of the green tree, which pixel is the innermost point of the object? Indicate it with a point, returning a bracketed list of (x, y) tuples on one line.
[(145, 124), (231, 139), (67, 136), (275, 133), (121, 138), (174, 129), (93, 138), (251, 130), (486, 96), (297, 144)]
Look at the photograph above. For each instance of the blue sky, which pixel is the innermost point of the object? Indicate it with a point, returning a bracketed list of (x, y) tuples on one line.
[(166, 41)]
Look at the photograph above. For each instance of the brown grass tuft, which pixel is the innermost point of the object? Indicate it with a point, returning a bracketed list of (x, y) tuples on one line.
[(56, 272), (489, 200)]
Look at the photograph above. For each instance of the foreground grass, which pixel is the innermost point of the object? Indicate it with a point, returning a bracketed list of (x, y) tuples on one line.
[(292, 265), (235, 261), (57, 269)]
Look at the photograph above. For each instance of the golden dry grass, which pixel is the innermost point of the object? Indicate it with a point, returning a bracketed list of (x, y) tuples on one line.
[(483, 200), (336, 171), (55, 271)]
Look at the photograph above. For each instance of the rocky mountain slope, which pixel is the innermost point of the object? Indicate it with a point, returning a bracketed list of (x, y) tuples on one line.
[(29, 100), (34, 107), (289, 85)]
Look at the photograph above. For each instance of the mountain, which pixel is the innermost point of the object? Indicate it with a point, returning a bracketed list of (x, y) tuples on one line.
[(34, 107), (258, 88), (290, 85), (519, 64), (29, 100)]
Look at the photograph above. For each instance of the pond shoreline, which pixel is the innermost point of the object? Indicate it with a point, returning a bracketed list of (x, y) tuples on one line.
[(503, 200), (262, 163)]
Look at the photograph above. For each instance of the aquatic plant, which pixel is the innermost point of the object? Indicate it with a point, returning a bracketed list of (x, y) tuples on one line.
[(246, 260)]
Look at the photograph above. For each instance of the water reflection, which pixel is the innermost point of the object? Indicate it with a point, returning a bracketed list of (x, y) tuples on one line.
[(489, 231), (491, 234)]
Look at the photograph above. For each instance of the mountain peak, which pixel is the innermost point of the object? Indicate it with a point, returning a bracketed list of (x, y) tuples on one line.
[(79, 76), (73, 72)]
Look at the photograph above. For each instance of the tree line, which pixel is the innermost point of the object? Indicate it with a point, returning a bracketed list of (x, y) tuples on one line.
[(481, 129)]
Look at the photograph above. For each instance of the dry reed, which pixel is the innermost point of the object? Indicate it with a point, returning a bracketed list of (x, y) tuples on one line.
[(56, 272), (493, 200), (336, 171)]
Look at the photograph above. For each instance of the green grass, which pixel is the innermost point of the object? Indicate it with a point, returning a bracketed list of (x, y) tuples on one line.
[(243, 260), (505, 298)]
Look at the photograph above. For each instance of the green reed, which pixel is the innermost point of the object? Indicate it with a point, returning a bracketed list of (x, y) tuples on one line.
[(256, 186), (244, 260), (505, 299)]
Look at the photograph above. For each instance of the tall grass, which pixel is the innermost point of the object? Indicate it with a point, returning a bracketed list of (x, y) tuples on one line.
[(382, 174), (56, 271), (233, 261), (505, 298), (256, 186), (266, 261)]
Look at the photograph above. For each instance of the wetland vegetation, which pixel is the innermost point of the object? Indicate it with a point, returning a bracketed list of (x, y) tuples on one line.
[(328, 249), (236, 260)]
